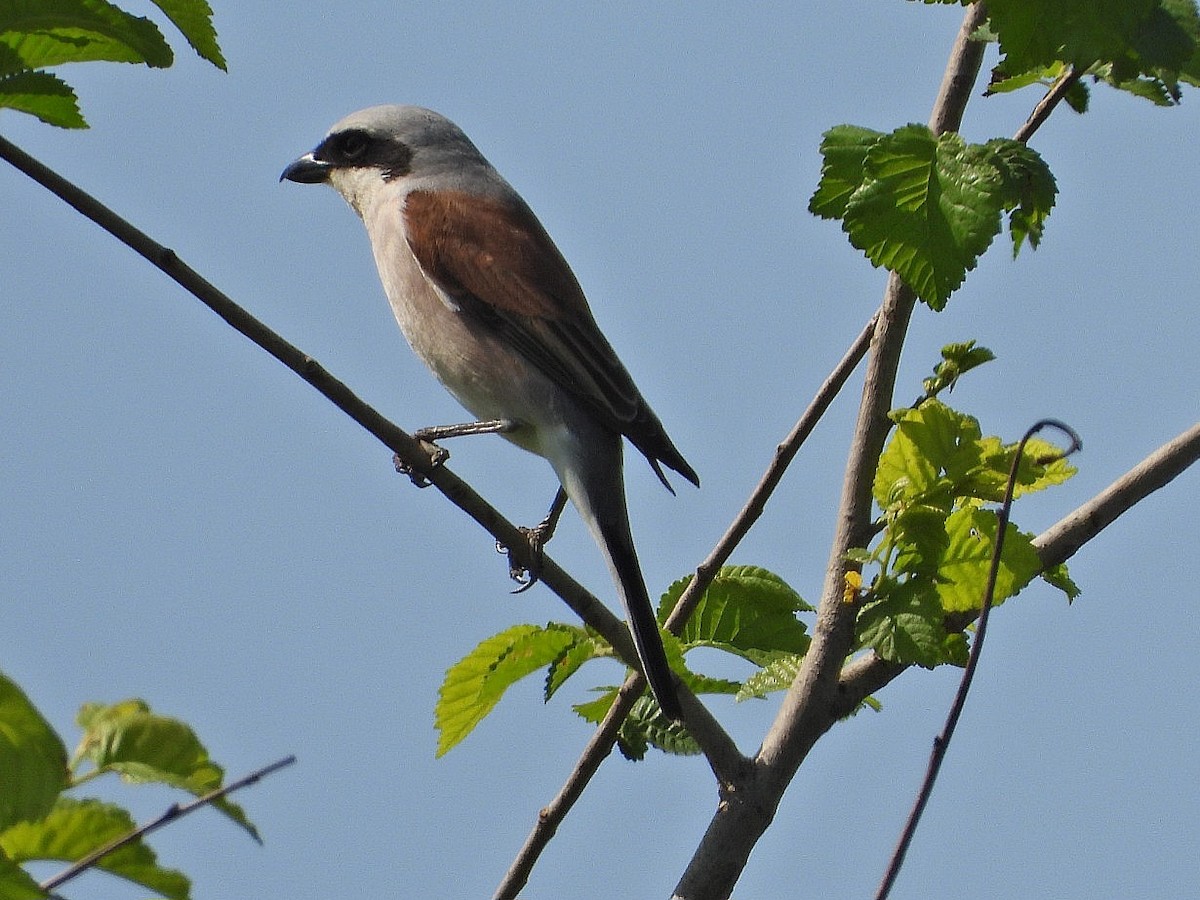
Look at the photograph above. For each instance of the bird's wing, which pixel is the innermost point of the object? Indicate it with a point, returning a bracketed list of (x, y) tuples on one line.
[(496, 261)]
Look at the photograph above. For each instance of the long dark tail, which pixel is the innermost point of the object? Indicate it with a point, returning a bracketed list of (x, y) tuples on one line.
[(599, 495), (627, 574)]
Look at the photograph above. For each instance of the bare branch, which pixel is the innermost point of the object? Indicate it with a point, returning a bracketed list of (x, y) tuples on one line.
[(1042, 111), (173, 812), (1059, 543)]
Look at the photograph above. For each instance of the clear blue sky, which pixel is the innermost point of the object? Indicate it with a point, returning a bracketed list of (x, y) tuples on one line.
[(186, 521)]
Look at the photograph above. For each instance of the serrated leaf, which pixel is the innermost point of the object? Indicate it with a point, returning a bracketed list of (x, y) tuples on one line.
[(1057, 576), (646, 727), (584, 648), (933, 446), (745, 609), (594, 711), (1080, 32), (906, 626), (965, 564), (75, 828), (146, 748), (193, 18), (1028, 190), (475, 684), (42, 95), (51, 32), (33, 760), (926, 209), (957, 360), (776, 675), (1045, 76), (843, 151), (15, 883)]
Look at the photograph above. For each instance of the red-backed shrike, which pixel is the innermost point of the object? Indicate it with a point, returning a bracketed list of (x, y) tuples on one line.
[(490, 305)]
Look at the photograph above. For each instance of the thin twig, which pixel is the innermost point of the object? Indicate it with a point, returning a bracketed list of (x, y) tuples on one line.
[(552, 815), (942, 742), (173, 812), (1053, 97), (757, 501)]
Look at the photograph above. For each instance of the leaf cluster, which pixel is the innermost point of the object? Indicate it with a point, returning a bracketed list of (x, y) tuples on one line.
[(1146, 47), (936, 485), (39, 822), (746, 611), (36, 35)]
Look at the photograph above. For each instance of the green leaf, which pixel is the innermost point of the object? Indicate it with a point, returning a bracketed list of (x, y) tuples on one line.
[(965, 565), (843, 152), (1079, 32), (957, 360), (51, 32), (907, 626), (1145, 47), (1028, 189), (15, 883), (1045, 76), (43, 95), (75, 828), (1057, 576), (194, 19), (584, 648), (33, 760), (475, 684), (926, 209), (144, 748), (776, 675), (745, 609), (933, 447), (919, 536)]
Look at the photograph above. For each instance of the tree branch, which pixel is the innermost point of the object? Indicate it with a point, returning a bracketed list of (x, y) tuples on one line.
[(173, 812), (756, 504)]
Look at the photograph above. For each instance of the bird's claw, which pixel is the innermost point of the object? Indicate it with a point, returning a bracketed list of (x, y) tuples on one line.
[(527, 576), (437, 457)]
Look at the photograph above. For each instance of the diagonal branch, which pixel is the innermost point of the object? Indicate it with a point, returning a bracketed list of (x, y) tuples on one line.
[(756, 504), (708, 732), (173, 812)]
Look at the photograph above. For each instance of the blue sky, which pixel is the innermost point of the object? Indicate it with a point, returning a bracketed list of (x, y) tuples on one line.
[(186, 521)]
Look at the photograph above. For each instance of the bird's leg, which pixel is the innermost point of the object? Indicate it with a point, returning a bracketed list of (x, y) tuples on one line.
[(538, 536), (438, 455)]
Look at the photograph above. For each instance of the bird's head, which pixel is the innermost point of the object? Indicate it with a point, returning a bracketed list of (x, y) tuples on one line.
[(387, 147)]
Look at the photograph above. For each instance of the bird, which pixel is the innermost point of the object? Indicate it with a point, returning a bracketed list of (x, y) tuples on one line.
[(490, 305)]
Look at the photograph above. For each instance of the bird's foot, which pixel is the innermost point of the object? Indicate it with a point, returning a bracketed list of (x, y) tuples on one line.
[(537, 537), (437, 457)]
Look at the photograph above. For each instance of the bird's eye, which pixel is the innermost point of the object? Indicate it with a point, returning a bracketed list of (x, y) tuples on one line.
[(352, 145)]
